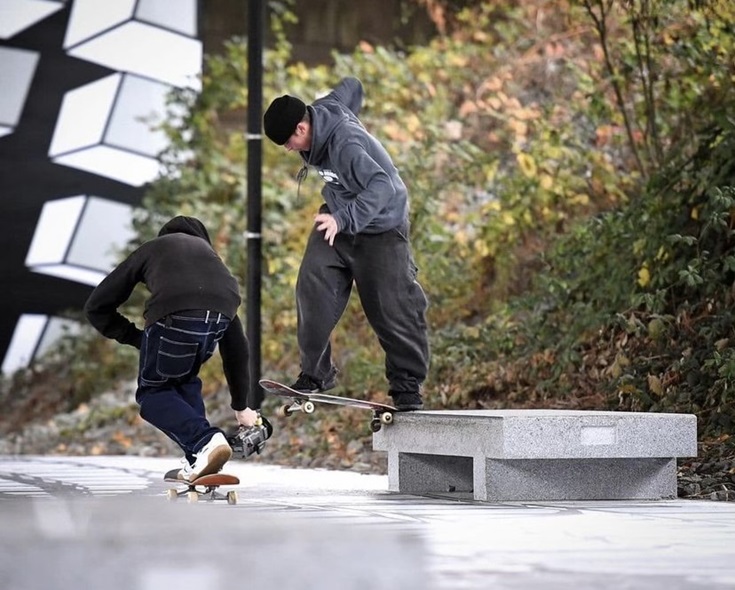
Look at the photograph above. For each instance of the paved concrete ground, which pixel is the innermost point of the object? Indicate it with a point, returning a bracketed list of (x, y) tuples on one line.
[(104, 522)]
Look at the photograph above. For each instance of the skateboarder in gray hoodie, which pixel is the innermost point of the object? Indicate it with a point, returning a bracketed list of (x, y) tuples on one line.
[(360, 237)]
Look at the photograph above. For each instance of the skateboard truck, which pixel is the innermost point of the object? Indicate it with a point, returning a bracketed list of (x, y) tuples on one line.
[(209, 483), (286, 410), (379, 418), (248, 441)]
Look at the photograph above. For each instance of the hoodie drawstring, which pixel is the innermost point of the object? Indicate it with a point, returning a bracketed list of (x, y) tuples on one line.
[(303, 173)]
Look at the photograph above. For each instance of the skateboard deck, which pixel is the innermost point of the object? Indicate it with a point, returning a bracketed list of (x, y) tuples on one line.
[(210, 483), (304, 402)]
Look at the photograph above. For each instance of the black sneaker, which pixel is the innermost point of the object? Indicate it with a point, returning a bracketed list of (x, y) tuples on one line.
[(406, 401), (308, 384)]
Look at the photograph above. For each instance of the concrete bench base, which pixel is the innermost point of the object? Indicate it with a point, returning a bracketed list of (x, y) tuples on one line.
[(533, 455)]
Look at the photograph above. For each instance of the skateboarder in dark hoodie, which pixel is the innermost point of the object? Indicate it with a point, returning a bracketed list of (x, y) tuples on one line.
[(360, 235), (191, 309)]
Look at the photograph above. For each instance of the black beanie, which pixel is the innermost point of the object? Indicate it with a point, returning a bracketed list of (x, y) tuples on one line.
[(281, 118)]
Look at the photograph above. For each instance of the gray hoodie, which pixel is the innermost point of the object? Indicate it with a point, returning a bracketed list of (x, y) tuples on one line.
[(363, 189)]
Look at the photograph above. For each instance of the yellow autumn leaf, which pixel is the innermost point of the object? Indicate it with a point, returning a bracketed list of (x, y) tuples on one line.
[(481, 248), (271, 347), (458, 61), (527, 164), (616, 369), (644, 275), (554, 152), (519, 128), (472, 332), (394, 131), (655, 385), (491, 171), (546, 181), (579, 199), (289, 320), (413, 123)]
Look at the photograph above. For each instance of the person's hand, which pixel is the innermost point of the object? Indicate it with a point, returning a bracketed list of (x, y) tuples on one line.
[(246, 417), (328, 224)]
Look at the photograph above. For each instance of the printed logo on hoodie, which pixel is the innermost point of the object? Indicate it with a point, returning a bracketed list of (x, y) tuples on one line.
[(329, 175)]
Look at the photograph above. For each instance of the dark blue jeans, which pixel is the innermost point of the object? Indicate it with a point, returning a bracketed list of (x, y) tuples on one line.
[(169, 390)]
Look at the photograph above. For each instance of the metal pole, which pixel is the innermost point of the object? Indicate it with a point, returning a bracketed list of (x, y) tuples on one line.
[(256, 20)]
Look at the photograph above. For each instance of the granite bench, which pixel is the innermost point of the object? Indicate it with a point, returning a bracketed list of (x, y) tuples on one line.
[(534, 455)]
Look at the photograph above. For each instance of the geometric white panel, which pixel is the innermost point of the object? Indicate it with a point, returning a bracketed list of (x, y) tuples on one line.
[(132, 169), (158, 12), (80, 238), (151, 38), (56, 328), (105, 127), (140, 104), (33, 336), (17, 67), (16, 15), (87, 19), (26, 336), (84, 114)]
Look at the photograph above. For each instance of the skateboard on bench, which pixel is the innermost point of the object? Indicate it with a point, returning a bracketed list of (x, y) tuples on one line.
[(209, 483), (304, 402)]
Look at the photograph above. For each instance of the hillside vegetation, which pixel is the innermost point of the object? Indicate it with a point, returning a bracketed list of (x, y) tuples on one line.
[(571, 173)]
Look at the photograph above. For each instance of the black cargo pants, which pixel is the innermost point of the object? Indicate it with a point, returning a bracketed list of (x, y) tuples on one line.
[(382, 268)]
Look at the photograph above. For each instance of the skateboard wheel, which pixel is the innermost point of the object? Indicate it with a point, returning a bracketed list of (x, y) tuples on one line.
[(284, 411), (232, 497), (192, 497), (172, 494), (375, 425), (386, 418), (308, 407)]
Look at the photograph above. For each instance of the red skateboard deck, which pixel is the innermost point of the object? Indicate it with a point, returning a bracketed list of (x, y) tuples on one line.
[(210, 483)]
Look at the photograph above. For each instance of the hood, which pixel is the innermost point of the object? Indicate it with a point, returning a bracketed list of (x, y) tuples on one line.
[(325, 119), (182, 224), (337, 108)]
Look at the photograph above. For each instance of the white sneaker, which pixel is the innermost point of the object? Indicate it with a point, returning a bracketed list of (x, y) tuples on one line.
[(186, 471), (211, 458)]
